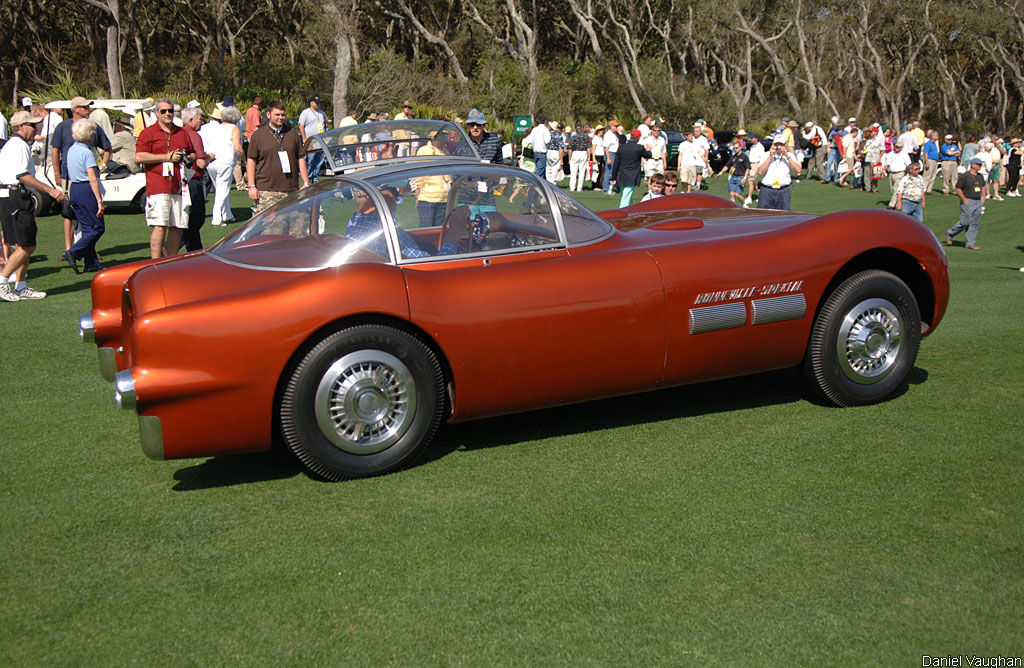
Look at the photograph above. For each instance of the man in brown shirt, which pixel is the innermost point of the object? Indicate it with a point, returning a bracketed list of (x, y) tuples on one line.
[(273, 164)]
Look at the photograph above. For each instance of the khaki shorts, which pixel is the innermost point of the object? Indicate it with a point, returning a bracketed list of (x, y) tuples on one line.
[(268, 198), (688, 174), (164, 210)]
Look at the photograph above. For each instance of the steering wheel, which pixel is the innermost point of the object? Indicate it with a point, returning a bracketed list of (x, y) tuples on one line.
[(457, 219)]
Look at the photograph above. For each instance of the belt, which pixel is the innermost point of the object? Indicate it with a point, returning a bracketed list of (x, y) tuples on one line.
[(779, 187)]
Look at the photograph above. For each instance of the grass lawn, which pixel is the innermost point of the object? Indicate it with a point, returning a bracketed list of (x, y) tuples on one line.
[(728, 523)]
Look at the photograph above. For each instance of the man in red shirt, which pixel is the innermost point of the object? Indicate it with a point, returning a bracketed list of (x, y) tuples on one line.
[(161, 148), (252, 117)]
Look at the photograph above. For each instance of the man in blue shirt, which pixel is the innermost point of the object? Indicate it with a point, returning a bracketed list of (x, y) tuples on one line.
[(930, 154), (949, 157)]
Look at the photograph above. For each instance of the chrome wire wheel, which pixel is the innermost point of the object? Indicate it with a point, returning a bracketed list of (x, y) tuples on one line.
[(366, 401), (864, 339), (869, 341)]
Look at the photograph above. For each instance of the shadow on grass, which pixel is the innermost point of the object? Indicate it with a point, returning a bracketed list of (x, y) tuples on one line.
[(765, 389), (276, 464), (125, 249)]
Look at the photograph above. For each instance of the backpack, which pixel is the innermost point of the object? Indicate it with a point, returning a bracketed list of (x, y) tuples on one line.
[(815, 140)]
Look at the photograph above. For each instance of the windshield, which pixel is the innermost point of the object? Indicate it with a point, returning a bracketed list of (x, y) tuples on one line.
[(309, 231), (392, 140)]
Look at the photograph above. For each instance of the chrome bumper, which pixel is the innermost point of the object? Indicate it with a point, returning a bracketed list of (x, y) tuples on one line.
[(124, 390), (86, 330)]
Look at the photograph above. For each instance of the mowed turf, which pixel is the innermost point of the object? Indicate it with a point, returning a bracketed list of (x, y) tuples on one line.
[(729, 523)]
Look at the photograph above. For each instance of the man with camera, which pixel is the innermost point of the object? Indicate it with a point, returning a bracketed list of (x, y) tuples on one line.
[(17, 213), (162, 149), (777, 176)]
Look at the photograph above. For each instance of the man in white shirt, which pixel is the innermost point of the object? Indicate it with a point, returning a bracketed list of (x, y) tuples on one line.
[(896, 163), (658, 147), (703, 148), (645, 128), (814, 135), (539, 138), (757, 155), (908, 140), (777, 176), (17, 215), (690, 162), (611, 147)]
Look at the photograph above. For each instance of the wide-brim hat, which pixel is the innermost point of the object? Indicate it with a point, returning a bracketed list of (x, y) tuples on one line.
[(792, 124), (476, 116), (1015, 140), (553, 125), (217, 112), (741, 133), (407, 103)]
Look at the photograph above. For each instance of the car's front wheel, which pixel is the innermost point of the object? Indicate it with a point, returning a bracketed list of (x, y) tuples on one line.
[(363, 401), (864, 340)]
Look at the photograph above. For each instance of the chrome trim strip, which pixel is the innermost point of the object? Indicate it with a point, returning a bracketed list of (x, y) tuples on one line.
[(777, 309), (151, 436), (717, 317), (108, 363), (124, 390), (86, 329)]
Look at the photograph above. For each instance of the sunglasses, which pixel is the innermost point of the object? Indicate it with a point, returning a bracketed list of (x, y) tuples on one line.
[(165, 111), (671, 185), (474, 125)]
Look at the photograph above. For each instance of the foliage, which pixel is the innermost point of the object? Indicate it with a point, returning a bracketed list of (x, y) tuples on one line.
[(935, 61)]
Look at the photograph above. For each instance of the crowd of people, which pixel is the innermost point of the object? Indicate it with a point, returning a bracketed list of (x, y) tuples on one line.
[(187, 153), (846, 155)]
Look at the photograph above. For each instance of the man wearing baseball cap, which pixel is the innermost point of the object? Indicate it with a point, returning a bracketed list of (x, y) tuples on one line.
[(970, 187), (312, 121), (949, 157), (17, 212)]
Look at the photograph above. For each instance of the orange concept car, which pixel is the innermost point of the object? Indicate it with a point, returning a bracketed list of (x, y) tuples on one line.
[(419, 285)]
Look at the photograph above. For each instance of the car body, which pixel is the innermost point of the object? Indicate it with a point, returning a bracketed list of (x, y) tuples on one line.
[(351, 337), (118, 189)]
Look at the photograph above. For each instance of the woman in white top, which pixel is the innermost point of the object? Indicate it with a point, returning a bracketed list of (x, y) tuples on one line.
[(222, 141)]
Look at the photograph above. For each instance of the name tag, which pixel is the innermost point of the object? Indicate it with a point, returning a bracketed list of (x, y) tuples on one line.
[(977, 189), (5, 192), (168, 169), (285, 165)]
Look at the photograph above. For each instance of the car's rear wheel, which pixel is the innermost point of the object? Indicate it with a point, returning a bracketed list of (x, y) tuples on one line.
[(139, 202), (363, 401), (864, 340)]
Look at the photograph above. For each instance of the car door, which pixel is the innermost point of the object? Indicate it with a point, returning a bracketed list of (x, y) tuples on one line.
[(532, 325)]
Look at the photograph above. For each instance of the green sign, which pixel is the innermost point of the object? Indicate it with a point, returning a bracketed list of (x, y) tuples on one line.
[(521, 123)]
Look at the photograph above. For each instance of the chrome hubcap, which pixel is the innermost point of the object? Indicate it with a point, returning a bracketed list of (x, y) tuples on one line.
[(365, 401), (869, 341)]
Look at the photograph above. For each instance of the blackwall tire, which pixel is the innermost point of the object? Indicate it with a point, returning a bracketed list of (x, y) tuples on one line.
[(362, 402), (864, 340)]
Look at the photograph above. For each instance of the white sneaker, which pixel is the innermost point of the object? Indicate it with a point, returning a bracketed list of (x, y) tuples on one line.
[(747, 202), (998, 198), (29, 293), (8, 294)]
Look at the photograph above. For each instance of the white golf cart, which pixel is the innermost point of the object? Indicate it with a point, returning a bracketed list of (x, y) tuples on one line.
[(120, 189)]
